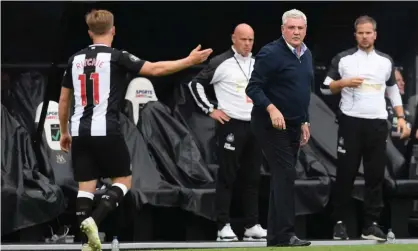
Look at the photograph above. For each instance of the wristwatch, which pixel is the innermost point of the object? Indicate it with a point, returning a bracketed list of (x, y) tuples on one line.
[(210, 110), (306, 123), (401, 117)]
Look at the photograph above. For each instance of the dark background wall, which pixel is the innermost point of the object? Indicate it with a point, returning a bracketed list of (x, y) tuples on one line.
[(34, 31)]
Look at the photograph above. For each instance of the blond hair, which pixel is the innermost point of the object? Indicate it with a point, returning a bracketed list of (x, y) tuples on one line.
[(99, 21)]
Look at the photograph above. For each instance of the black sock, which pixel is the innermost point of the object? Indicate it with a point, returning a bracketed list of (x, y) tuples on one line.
[(107, 203), (83, 207)]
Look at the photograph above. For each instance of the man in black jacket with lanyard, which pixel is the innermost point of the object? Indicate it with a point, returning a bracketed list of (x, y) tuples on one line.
[(362, 75), (238, 152), (280, 87)]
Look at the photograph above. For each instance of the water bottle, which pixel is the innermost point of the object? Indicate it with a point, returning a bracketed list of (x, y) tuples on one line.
[(115, 244), (390, 237)]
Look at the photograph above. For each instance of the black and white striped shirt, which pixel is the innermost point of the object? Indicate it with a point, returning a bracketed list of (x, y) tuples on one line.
[(229, 74), (97, 74)]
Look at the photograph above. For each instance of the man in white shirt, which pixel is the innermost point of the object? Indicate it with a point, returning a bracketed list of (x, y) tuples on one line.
[(362, 75), (238, 150)]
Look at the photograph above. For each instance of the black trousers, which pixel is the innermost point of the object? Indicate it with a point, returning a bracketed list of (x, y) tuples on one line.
[(281, 149), (238, 151), (360, 139)]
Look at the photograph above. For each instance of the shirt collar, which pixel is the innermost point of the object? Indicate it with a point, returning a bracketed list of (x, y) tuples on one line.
[(237, 55), (293, 49), (361, 52), (98, 45)]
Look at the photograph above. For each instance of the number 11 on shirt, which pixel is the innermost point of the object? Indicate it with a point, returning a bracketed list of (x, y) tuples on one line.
[(94, 76)]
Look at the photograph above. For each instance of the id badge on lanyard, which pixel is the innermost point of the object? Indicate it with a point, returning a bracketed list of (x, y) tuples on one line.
[(247, 99)]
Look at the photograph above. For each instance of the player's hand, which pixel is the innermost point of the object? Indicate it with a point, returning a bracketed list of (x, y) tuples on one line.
[(198, 56), (219, 116), (306, 134), (352, 82), (277, 119), (65, 142), (403, 128)]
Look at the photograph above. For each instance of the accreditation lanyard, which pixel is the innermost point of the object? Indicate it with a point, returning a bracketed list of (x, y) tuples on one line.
[(243, 72)]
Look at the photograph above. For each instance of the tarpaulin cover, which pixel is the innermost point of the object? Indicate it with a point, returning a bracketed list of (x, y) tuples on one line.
[(26, 93), (23, 99), (174, 147), (202, 127), (28, 197), (178, 158), (148, 183)]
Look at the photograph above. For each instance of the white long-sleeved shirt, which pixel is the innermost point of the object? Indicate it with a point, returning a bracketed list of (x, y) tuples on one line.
[(229, 73), (367, 100)]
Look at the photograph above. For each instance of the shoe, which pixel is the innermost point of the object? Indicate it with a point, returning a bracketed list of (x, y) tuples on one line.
[(255, 233), (226, 234), (373, 232), (89, 227), (86, 247), (294, 242), (340, 231)]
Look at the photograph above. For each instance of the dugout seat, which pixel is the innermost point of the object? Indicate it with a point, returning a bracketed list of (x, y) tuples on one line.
[(57, 162), (402, 198), (140, 91)]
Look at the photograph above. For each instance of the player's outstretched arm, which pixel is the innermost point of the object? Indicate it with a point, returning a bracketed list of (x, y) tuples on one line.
[(163, 68)]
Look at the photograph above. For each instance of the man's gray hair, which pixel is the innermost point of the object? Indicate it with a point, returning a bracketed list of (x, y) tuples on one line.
[(294, 14)]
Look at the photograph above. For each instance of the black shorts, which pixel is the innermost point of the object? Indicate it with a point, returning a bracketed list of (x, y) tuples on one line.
[(95, 157)]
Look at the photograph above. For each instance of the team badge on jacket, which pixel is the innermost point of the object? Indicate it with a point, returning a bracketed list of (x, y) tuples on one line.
[(230, 138)]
